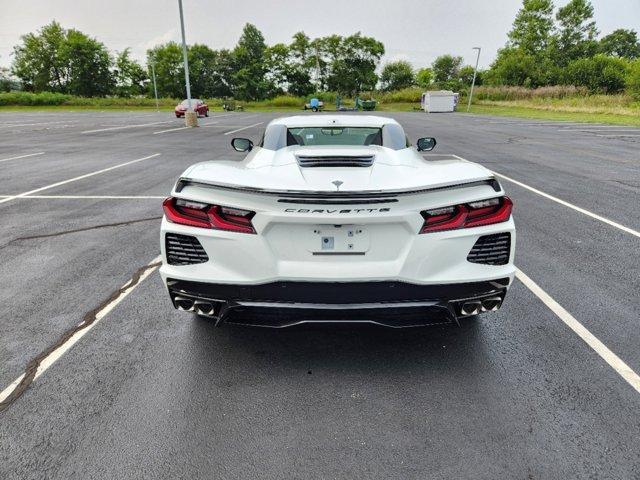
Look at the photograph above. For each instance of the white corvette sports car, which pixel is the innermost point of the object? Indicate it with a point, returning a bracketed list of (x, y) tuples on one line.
[(337, 218)]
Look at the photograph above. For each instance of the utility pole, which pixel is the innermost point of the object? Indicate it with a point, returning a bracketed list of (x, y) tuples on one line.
[(155, 88), (190, 117), (473, 83)]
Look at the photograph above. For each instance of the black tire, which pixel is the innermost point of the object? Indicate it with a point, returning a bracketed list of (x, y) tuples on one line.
[(206, 114), (315, 109)]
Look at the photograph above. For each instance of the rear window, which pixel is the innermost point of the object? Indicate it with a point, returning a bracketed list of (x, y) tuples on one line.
[(334, 135)]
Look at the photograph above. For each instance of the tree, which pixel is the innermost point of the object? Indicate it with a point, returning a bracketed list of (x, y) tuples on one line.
[(466, 76), (621, 43), (348, 64), (446, 68), (5, 80), (424, 77), (632, 81), (130, 77), (38, 61), (66, 61), (513, 66), (532, 26), (249, 79), (600, 74), (576, 32), (397, 75), (209, 71), (167, 60)]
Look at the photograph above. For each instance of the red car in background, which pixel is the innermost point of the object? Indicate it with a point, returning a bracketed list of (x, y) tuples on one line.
[(201, 108)]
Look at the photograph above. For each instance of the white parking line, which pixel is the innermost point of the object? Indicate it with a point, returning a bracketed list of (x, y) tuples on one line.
[(50, 359), (21, 156), (171, 130), (86, 175), (589, 338), (618, 135), (90, 197), (243, 128), (125, 126), (566, 204)]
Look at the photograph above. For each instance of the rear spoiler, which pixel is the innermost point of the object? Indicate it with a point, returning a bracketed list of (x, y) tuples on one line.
[(369, 194)]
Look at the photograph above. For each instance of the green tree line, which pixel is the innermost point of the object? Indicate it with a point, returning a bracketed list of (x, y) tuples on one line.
[(68, 61), (549, 46), (546, 46)]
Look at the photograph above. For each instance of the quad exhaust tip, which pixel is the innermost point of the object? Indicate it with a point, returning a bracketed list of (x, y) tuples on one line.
[(474, 307), (491, 304), (204, 308), (184, 304), (471, 308)]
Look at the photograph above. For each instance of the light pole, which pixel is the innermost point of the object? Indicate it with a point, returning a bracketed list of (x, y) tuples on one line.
[(473, 83), (155, 88), (190, 117)]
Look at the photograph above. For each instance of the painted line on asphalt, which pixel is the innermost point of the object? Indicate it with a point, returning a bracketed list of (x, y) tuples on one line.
[(243, 128), (21, 156), (79, 331), (615, 362), (600, 218), (125, 126), (618, 135), (171, 130), (81, 177), (90, 197)]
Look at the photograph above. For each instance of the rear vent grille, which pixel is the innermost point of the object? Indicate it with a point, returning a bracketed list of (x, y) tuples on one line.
[(491, 249), (184, 250), (335, 161)]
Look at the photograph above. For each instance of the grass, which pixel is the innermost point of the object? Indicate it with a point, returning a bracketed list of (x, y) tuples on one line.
[(549, 103)]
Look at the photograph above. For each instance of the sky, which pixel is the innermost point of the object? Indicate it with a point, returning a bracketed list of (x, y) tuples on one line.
[(413, 30)]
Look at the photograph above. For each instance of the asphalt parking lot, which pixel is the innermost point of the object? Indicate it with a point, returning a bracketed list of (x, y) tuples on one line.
[(545, 388)]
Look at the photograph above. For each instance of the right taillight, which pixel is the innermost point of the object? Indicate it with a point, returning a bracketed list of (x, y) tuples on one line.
[(204, 215), (474, 214)]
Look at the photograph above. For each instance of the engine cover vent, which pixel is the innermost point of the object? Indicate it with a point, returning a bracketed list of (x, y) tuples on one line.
[(491, 249), (184, 250), (335, 160)]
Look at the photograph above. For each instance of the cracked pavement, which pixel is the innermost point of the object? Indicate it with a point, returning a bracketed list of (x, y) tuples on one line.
[(151, 392)]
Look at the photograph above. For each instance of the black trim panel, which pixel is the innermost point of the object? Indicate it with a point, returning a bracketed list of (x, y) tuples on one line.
[(336, 292)]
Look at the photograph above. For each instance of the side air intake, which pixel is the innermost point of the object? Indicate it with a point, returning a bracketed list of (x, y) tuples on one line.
[(335, 161), (491, 249)]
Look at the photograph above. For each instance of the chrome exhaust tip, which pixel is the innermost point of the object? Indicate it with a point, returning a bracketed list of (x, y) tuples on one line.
[(491, 304), (204, 308), (471, 308), (184, 304)]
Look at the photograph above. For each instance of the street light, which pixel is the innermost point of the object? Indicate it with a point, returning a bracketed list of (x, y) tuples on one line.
[(155, 88), (473, 83), (190, 117)]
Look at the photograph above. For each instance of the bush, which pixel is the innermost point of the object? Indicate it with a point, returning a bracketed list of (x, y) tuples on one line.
[(632, 82), (600, 74)]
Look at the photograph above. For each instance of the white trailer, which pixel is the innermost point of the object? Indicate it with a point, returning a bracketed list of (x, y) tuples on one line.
[(439, 101)]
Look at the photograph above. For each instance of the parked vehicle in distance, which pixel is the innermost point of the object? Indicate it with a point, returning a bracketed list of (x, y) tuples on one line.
[(314, 105), (337, 218), (201, 108)]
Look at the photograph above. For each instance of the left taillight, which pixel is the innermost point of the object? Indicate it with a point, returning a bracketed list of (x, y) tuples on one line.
[(204, 215), (467, 215)]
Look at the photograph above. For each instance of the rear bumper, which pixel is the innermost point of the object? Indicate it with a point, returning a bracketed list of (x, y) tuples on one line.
[(287, 303)]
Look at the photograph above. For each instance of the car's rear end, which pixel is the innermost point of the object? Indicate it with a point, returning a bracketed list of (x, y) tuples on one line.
[(397, 258)]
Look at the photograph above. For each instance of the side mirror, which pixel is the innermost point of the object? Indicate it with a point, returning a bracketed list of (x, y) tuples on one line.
[(242, 144), (426, 144)]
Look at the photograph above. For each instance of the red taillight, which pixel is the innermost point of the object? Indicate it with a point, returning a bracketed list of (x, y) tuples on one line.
[(202, 215), (474, 214)]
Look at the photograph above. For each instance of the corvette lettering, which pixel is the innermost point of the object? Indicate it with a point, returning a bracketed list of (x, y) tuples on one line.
[(337, 210)]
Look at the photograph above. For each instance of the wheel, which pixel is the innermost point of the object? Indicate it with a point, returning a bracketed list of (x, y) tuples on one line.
[(206, 114)]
